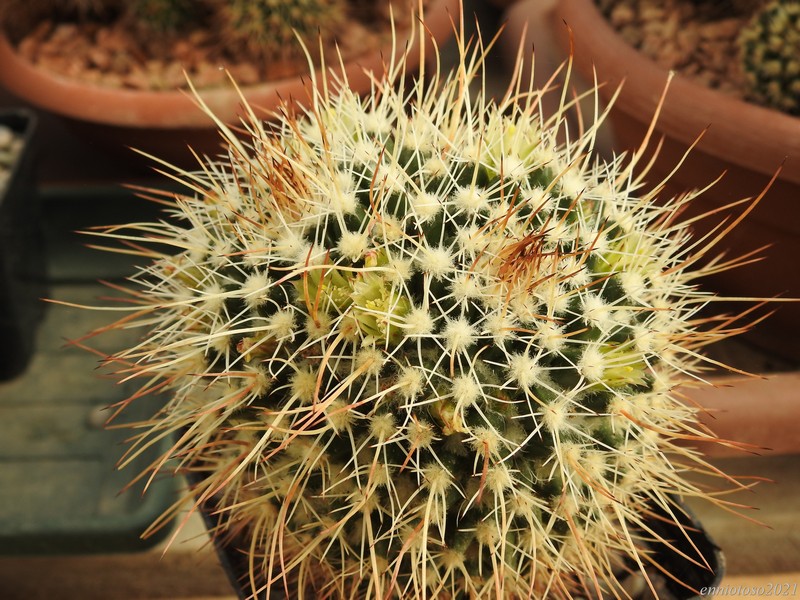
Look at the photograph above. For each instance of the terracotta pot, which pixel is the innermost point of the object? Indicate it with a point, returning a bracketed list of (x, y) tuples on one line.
[(760, 414), (746, 142), (164, 123)]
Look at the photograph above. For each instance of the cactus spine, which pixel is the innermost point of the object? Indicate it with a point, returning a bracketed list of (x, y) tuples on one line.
[(415, 347), (769, 50)]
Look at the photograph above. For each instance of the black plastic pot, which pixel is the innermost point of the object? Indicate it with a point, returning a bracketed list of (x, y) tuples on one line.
[(693, 546), (22, 270), (690, 547)]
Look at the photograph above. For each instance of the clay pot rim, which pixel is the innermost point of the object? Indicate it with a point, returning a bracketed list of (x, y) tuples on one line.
[(177, 109), (731, 129)]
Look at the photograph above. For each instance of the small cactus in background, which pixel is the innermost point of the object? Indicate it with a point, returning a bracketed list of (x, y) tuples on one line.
[(415, 347), (270, 27), (19, 16), (80, 7), (769, 49), (164, 15)]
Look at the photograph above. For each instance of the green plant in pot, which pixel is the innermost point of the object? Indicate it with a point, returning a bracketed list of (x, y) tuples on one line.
[(769, 51), (164, 15), (413, 346), (119, 70), (270, 28), (712, 133), (257, 28)]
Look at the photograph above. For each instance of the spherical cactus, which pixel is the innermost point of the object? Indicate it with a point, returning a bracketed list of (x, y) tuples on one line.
[(414, 346), (270, 27), (769, 49), (163, 15)]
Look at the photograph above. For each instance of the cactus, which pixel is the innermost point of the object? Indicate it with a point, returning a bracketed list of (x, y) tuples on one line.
[(413, 346), (269, 27), (69, 7), (17, 17), (151, 15), (164, 15), (81, 7), (769, 53)]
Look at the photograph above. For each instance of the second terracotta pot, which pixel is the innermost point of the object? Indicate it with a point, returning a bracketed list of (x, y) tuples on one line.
[(743, 143)]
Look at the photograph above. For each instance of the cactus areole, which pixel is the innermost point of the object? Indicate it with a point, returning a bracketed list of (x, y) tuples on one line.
[(414, 346)]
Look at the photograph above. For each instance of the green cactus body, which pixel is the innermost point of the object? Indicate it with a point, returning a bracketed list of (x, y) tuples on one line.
[(418, 348), (270, 27), (163, 15), (769, 49)]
